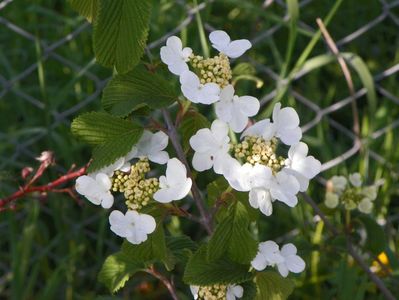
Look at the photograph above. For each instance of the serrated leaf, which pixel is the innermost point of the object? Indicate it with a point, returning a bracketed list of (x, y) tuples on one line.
[(190, 124), (86, 8), (116, 271), (138, 88), (233, 237), (120, 33), (179, 249), (113, 137), (376, 241), (199, 271), (272, 286), (96, 128)]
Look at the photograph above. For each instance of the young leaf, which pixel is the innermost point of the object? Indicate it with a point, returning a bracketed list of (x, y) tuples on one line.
[(232, 236), (113, 136), (86, 8), (190, 124), (215, 189), (272, 286), (116, 270), (138, 88), (201, 272), (120, 33)]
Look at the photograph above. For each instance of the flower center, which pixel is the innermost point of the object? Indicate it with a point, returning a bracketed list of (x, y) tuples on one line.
[(256, 150), (213, 292), (351, 198), (137, 189), (216, 69)]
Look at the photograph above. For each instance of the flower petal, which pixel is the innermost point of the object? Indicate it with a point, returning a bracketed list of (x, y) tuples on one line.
[(219, 39), (237, 48), (295, 264), (202, 161)]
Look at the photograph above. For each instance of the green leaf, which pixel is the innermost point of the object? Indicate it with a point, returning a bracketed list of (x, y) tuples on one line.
[(190, 124), (113, 136), (116, 271), (138, 88), (272, 286), (215, 189), (120, 33), (232, 236), (199, 271), (179, 250), (86, 8), (96, 128), (376, 241), (249, 290), (153, 249)]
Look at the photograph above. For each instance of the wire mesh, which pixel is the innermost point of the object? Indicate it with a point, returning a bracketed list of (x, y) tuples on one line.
[(15, 84)]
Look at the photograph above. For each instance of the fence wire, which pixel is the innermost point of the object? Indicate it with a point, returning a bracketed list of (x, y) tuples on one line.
[(15, 84)]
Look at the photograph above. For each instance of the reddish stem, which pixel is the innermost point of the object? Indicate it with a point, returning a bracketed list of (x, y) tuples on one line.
[(27, 189)]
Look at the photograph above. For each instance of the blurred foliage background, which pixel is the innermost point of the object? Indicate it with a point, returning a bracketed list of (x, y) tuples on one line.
[(54, 248)]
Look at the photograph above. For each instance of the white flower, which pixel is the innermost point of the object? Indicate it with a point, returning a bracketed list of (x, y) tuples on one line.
[(355, 179), (285, 126), (175, 185), (365, 206), (175, 56), (234, 291), (264, 129), (196, 92), (151, 145), (133, 226), (339, 183), (261, 198), (286, 122), (331, 200), (221, 41), (211, 147), (268, 255), (300, 165), (235, 110), (96, 189), (194, 290), (291, 262), (284, 188)]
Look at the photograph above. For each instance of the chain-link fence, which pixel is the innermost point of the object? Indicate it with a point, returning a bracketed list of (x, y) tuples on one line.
[(14, 85)]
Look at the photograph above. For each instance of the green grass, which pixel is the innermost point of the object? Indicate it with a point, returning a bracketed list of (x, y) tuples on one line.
[(54, 248)]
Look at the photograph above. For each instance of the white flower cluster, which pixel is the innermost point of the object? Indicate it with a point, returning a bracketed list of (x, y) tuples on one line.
[(350, 193), (255, 167), (175, 185), (228, 292), (285, 259), (253, 164)]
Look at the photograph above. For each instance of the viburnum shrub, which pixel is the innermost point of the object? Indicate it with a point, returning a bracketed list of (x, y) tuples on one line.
[(152, 147)]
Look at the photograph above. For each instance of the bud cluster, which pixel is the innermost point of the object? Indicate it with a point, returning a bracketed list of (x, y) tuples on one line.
[(213, 292), (350, 193), (255, 150), (216, 69), (137, 189)]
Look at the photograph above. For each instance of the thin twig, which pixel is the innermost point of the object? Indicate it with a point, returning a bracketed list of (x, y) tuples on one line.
[(168, 284), (174, 137), (373, 277), (345, 70), (28, 189)]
